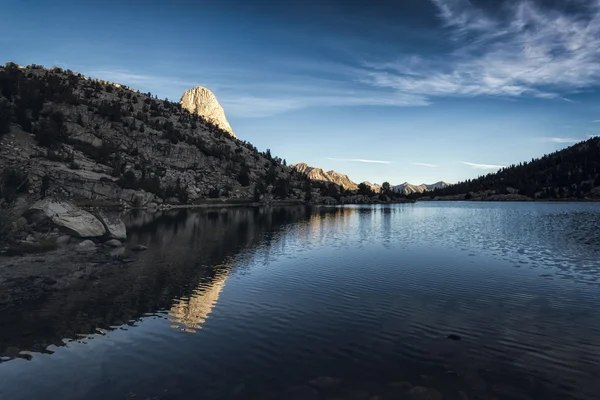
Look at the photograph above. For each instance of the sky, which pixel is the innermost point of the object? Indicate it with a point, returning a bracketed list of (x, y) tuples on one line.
[(387, 90)]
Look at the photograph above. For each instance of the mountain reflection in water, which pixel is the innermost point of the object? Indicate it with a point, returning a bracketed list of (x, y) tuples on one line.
[(248, 303)]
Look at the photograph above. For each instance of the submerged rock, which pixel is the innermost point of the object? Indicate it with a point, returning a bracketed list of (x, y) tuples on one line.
[(113, 243), (423, 393), (325, 382), (301, 393), (139, 247), (453, 337), (68, 218)]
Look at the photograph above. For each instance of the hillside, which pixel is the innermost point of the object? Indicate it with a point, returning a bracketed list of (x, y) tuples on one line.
[(319, 174), (407, 188), (68, 136), (63, 134), (566, 174)]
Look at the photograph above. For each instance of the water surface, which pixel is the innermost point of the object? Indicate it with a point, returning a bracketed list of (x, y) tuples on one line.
[(244, 303)]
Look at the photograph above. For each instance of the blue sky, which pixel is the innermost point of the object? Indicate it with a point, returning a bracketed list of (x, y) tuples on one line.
[(414, 90)]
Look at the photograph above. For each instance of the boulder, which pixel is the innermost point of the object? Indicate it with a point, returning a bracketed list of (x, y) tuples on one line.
[(69, 218), (139, 247), (86, 246), (115, 228), (113, 243)]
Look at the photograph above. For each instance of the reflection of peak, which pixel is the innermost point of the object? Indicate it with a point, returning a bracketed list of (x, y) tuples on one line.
[(189, 314)]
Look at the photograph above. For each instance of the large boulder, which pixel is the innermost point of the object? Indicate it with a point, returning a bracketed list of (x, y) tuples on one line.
[(68, 218), (115, 228)]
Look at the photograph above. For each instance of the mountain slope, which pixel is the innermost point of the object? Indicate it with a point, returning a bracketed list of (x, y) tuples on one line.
[(319, 174), (573, 172), (79, 137)]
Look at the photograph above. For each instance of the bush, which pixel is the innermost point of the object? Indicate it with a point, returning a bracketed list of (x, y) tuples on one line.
[(12, 183), (244, 176), (5, 117)]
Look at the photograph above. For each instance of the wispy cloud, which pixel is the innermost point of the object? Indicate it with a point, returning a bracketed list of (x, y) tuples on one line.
[(560, 140), (526, 50), (360, 160), (596, 120), (482, 166), (424, 164)]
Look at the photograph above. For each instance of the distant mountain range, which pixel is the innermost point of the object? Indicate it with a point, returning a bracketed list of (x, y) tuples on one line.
[(318, 174), (408, 188), (343, 180)]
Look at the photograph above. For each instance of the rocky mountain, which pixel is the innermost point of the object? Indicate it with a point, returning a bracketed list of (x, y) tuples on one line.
[(374, 186), (407, 188), (66, 135), (570, 173), (319, 174), (202, 102), (97, 143)]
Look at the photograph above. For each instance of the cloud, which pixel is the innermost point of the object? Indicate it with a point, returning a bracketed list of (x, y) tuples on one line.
[(596, 120), (298, 98), (482, 166), (560, 140), (360, 160), (523, 50), (424, 164)]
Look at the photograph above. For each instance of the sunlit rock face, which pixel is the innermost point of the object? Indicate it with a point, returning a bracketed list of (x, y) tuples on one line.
[(318, 174), (204, 103)]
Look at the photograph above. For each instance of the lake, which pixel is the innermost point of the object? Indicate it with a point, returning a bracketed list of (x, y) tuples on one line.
[(254, 303)]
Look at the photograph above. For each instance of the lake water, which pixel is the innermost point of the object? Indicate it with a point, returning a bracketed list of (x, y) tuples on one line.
[(247, 303)]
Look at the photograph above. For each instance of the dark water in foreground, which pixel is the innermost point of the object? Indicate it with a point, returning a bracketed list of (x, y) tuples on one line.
[(244, 303)]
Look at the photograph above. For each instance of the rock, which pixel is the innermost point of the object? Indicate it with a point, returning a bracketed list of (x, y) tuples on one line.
[(325, 382), (86, 246), (69, 218), (113, 243), (453, 337), (139, 247), (117, 252), (202, 102), (423, 393), (20, 207), (115, 228), (301, 393), (63, 240), (49, 281)]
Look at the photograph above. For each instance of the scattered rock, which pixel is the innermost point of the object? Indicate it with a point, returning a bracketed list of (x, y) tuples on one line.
[(139, 247), (113, 243), (301, 393), (325, 382), (423, 393), (115, 228), (453, 337)]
